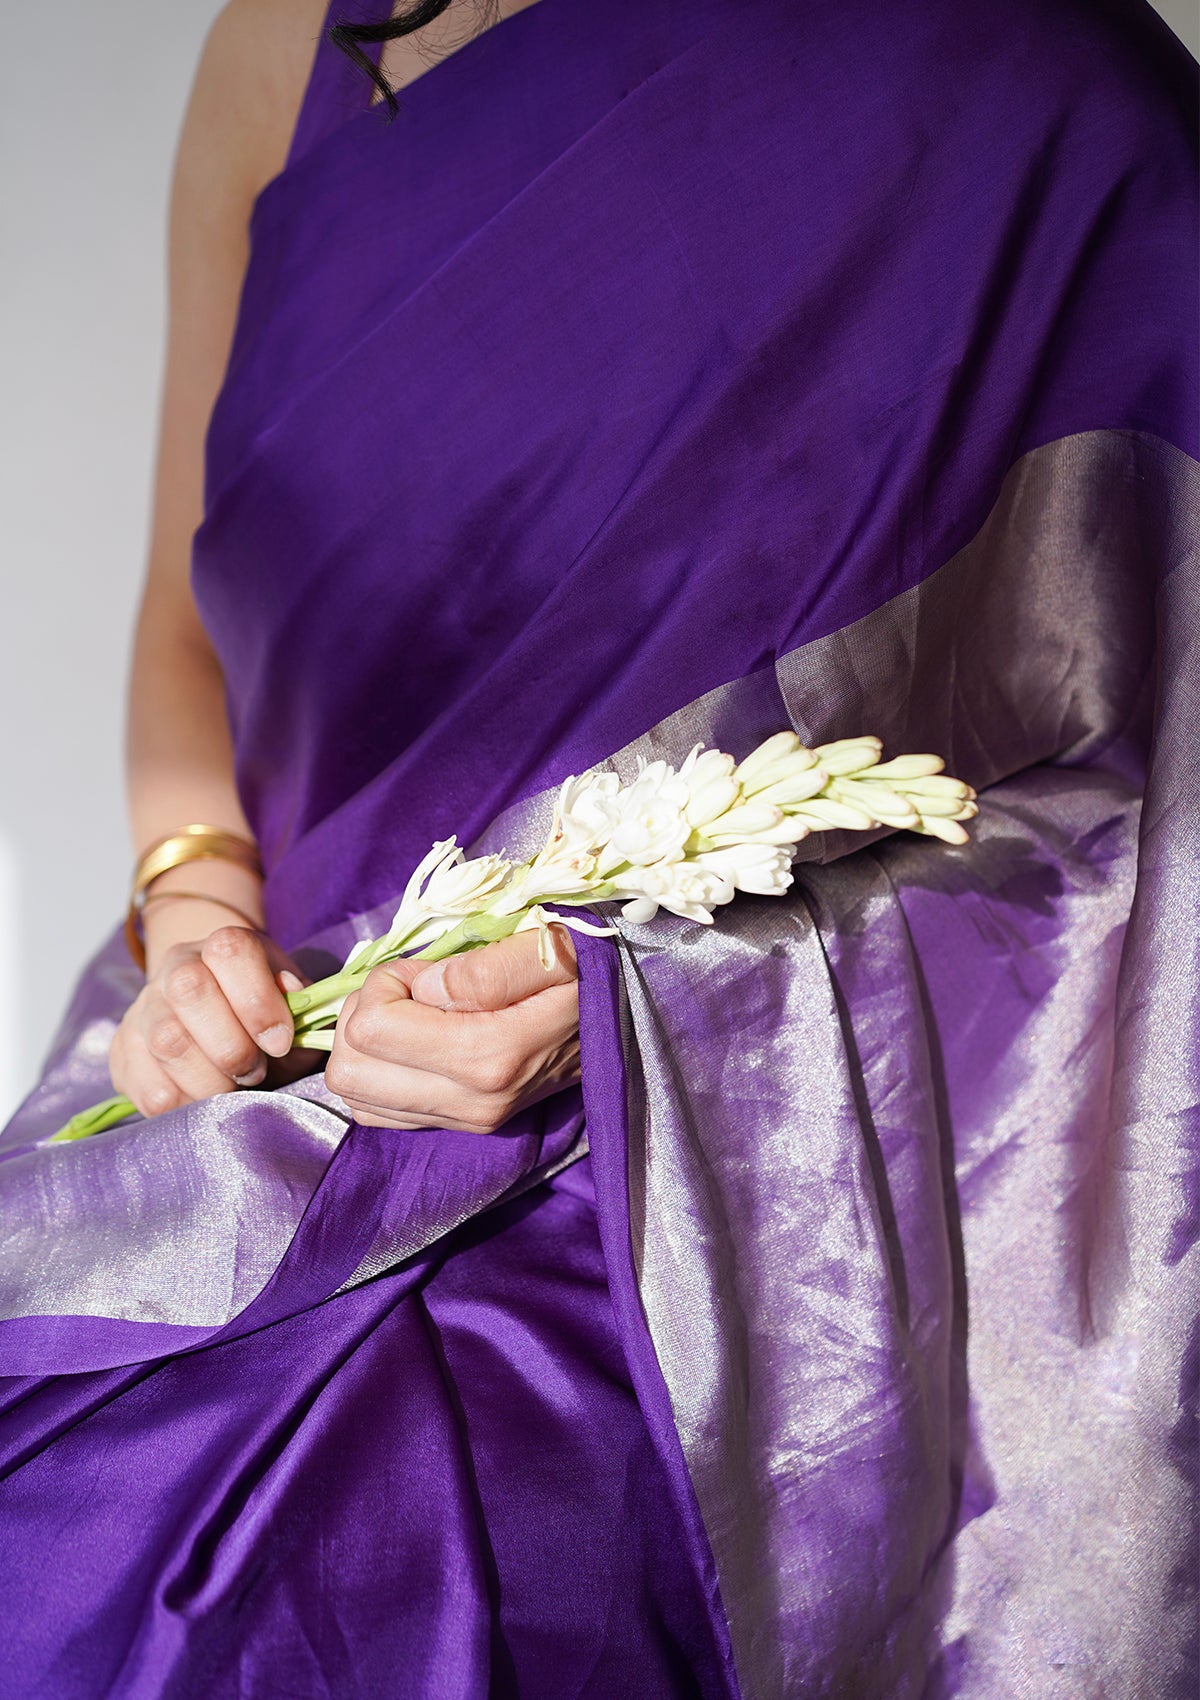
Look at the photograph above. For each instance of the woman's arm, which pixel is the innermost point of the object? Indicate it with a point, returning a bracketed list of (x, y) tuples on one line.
[(234, 138), (212, 989), (473, 1043)]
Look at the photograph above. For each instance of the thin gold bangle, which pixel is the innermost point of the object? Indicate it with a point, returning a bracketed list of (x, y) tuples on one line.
[(134, 938), (199, 897)]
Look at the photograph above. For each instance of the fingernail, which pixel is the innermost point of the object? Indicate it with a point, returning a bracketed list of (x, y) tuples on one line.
[(276, 1041), (430, 985), (257, 1073), (289, 981)]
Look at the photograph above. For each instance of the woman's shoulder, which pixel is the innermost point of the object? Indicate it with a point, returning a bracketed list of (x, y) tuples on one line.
[(249, 85)]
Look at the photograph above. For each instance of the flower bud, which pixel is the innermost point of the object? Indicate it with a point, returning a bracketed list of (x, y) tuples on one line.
[(908, 767), (826, 814), (758, 769), (849, 755), (878, 800), (947, 830)]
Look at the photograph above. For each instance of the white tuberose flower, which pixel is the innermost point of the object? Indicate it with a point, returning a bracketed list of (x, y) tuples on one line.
[(460, 887), (685, 888), (585, 816), (651, 824), (762, 868), (443, 888), (695, 887), (587, 811), (711, 787)]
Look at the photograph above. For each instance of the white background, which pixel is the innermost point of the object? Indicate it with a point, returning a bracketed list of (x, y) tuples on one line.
[(91, 96)]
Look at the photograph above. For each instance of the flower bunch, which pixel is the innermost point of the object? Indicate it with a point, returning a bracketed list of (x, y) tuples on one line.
[(687, 839), (683, 839)]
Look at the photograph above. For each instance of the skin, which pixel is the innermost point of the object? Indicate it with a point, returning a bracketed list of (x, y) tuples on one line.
[(464, 1046)]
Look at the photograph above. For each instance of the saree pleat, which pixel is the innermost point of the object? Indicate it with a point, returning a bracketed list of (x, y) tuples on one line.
[(671, 374)]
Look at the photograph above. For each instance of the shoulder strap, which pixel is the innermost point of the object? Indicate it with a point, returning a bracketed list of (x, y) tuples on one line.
[(336, 88)]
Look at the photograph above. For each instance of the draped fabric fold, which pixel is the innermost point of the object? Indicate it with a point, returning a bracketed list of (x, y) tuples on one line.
[(667, 374)]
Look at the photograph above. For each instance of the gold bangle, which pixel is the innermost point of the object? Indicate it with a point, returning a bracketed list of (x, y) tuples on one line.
[(194, 843)]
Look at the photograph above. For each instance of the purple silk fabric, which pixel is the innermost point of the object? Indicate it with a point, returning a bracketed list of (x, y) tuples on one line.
[(670, 371)]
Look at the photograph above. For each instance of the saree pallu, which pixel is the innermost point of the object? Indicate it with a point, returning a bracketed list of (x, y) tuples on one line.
[(670, 373)]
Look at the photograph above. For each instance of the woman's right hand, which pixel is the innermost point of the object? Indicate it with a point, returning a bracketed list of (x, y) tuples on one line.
[(211, 1017)]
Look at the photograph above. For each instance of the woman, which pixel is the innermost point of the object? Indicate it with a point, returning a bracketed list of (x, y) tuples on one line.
[(662, 373)]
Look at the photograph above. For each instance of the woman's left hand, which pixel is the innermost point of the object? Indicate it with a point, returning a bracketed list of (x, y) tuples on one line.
[(461, 1044)]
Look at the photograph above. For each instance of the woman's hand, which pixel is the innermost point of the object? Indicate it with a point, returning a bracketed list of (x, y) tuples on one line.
[(212, 1017), (462, 1044)]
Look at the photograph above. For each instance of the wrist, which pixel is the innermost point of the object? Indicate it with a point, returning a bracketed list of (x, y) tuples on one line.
[(183, 919), (187, 921)]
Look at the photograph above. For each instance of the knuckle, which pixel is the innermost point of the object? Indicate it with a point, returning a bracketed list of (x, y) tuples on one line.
[(230, 944), (365, 1026), (185, 981), (167, 1039), (339, 1074), (257, 1014), (492, 1072), (484, 1114)]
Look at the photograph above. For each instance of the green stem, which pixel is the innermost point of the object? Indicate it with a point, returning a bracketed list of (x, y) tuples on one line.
[(309, 999), (93, 1120), (317, 1006), (471, 931), (323, 1016)]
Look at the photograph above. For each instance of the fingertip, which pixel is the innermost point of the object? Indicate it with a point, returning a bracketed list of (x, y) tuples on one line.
[(405, 969), (393, 978), (276, 1040)]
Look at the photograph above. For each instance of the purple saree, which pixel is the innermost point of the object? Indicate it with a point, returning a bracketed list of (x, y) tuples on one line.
[(669, 371)]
